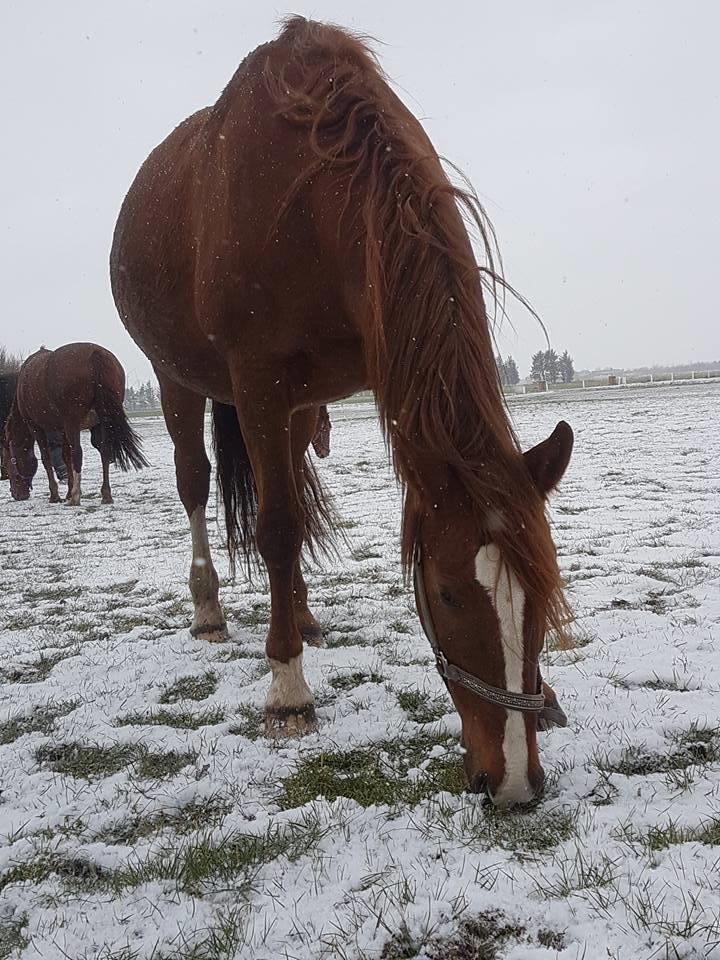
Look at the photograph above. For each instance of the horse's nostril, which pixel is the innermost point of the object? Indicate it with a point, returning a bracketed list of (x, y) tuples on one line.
[(479, 783)]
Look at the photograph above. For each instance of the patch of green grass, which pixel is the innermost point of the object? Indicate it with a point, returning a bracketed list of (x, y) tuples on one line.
[(12, 939), (551, 939), (420, 707), (669, 834), (575, 873), (258, 615), (476, 824), (200, 864), (366, 551), (158, 766), (56, 592), (251, 723), (40, 720), (87, 761), (374, 775), (180, 719), (696, 746), (35, 672), (199, 815), (347, 681), (191, 688), (399, 626), (75, 871)]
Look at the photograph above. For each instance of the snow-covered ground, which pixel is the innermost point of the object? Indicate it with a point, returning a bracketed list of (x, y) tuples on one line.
[(144, 815)]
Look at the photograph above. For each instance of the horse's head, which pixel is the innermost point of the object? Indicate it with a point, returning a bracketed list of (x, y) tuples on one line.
[(21, 460), (486, 620)]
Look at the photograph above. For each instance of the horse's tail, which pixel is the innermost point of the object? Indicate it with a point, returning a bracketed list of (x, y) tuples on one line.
[(236, 486), (118, 440)]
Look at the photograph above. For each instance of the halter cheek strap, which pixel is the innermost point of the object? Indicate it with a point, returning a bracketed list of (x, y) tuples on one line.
[(27, 480), (524, 702)]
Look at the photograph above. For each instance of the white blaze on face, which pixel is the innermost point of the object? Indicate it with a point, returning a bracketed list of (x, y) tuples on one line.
[(508, 598)]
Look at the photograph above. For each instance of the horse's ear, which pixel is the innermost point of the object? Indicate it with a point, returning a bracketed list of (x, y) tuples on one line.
[(548, 461)]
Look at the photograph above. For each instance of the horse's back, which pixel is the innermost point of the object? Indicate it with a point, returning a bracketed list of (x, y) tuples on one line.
[(55, 384)]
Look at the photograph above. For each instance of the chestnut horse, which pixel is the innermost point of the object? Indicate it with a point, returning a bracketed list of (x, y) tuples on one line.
[(78, 386), (295, 243), (8, 388)]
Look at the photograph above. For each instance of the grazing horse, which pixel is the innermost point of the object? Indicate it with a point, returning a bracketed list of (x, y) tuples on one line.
[(8, 387), (77, 387), (293, 244)]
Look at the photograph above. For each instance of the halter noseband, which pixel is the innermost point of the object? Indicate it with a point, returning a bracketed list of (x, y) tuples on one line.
[(524, 702), (27, 480)]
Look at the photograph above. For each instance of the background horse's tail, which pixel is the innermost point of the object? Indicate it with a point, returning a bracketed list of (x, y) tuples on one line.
[(236, 486), (117, 438)]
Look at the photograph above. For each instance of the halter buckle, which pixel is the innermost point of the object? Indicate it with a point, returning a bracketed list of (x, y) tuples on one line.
[(442, 663)]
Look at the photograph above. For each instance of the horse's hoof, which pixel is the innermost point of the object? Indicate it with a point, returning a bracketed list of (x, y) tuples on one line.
[(210, 633), (107, 499), (551, 715), (54, 499), (312, 634), (285, 722)]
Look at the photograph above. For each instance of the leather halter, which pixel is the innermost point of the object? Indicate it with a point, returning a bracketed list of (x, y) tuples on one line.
[(27, 480), (524, 702)]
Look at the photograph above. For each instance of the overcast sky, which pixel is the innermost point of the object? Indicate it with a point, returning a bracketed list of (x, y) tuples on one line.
[(590, 131)]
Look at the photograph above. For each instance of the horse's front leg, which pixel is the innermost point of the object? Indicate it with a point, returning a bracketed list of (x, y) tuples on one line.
[(42, 442), (289, 708)]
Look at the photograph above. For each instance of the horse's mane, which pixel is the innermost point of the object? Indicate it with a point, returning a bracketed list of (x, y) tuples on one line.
[(430, 359)]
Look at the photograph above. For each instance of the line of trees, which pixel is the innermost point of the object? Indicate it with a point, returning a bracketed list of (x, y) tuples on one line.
[(509, 374), (144, 397), (9, 363), (548, 366)]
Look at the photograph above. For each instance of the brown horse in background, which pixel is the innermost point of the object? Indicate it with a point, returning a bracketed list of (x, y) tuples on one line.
[(295, 243), (79, 386), (8, 388)]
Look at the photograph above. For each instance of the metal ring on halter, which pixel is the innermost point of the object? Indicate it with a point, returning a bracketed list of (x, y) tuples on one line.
[(525, 702), (28, 480)]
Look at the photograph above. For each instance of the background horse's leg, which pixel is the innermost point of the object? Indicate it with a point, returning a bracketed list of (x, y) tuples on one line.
[(76, 456), (67, 457), (184, 413), (289, 708), (98, 441), (304, 423), (42, 442)]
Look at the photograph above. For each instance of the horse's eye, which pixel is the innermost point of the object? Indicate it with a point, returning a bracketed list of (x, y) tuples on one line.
[(449, 599)]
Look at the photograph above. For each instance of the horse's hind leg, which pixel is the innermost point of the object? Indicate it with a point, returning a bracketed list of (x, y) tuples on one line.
[(42, 442), (289, 708), (98, 441), (67, 458), (184, 413), (76, 459), (302, 431)]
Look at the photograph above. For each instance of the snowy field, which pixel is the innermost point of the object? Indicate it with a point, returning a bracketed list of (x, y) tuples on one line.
[(144, 815)]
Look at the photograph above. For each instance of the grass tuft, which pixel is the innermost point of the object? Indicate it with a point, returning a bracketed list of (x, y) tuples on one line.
[(374, 775), (179, 719), (420, 707), (88, 761), (191, 688), (40, 720), (347, 681)]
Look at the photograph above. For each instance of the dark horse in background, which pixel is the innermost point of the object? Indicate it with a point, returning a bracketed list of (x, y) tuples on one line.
[(8, 387), (293, 244), (79, 386)]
